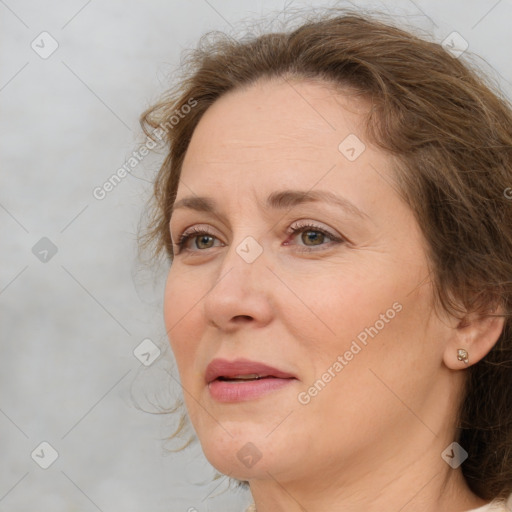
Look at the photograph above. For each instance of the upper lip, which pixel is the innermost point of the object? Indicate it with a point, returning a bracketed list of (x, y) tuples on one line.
[(230, 369)]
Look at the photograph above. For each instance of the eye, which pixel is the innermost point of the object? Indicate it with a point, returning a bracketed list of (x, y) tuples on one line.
[(313, 236), (202, 237)]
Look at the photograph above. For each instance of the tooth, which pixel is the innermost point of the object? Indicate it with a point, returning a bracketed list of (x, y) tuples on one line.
[(247, 377)]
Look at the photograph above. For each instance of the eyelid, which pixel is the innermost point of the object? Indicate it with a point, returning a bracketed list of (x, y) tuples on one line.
[(297, 227), (302, 224), (192, 228), (188, 233)]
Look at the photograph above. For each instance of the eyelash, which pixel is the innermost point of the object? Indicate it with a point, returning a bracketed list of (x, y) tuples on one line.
[(196, 231)]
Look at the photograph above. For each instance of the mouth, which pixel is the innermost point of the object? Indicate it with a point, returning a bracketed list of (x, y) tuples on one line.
[(241, 380)]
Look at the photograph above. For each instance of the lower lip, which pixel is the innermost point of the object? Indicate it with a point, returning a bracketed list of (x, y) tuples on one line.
[(239, 391)]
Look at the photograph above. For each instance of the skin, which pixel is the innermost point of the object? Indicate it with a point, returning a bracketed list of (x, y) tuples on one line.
[(372, 438)]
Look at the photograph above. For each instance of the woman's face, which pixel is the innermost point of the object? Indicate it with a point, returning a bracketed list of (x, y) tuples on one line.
[(343, 305)]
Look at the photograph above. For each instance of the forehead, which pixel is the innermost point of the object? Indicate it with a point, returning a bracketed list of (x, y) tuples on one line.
[(277, 119), (276, 135)]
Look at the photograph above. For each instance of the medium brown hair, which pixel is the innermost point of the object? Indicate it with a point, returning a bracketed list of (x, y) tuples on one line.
[(450, 131)]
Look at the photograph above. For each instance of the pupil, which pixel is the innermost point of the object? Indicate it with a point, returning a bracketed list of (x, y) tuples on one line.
[(204, 238), (313, 236)]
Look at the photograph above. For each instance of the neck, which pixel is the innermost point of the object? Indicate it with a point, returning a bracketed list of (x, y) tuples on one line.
[(419, 482)]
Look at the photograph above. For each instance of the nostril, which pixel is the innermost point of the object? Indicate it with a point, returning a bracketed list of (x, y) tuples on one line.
[(242, 318)]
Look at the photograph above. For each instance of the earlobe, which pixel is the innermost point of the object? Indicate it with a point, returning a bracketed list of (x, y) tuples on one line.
[(473, 338), (462, 355)]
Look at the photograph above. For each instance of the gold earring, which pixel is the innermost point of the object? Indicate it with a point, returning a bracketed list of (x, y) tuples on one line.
[(462, 355)]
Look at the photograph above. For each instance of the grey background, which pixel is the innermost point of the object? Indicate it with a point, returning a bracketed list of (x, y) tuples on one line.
[(70, 324)]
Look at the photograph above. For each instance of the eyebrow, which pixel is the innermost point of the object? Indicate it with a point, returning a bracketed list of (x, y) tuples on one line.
[(278, 201)]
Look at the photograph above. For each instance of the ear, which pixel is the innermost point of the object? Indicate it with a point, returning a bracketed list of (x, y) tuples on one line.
[(476, 333)]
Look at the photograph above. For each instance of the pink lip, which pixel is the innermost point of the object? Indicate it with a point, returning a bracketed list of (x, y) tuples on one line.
[(226, 391)]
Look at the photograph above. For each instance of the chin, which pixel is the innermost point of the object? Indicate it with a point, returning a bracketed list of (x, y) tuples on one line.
[(231, 466), (246, 455)]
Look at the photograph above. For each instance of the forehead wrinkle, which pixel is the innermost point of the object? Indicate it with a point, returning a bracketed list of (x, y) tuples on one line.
[(273, 151)]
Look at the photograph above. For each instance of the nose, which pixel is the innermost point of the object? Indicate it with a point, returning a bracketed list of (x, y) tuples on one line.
[(241, 291)]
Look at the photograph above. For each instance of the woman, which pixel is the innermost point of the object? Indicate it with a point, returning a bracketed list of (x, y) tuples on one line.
[(334, 204)]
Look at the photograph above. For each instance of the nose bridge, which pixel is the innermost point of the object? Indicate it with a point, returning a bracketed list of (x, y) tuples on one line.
[(243, 264), (241, 288)]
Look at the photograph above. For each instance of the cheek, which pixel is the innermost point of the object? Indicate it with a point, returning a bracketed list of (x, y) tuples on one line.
[(388, 350), (184, 330), (372, 320), (336, 304), (182, 301)]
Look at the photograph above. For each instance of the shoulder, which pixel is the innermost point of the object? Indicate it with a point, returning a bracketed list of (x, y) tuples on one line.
[(493, 506)]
